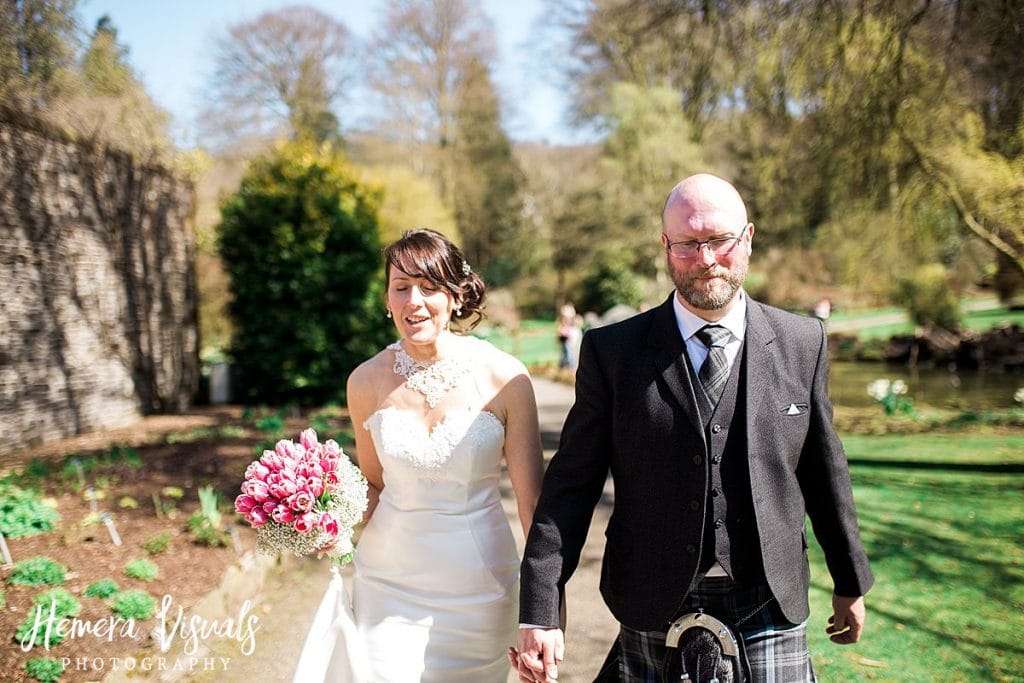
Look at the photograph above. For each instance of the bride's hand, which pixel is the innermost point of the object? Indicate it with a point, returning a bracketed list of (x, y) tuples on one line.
[(328, 547)]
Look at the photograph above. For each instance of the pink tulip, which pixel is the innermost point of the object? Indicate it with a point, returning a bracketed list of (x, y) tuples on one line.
[(329, 525), (270, 506), (316, 487), (257, 470), (271, 460), (331, 447), (283, 489), (285, 449), (259, 491), (302, 501), (331, 479), (256, 517), (244, 503), (282, 514), (328, 463), (304, 523), (308, 439)]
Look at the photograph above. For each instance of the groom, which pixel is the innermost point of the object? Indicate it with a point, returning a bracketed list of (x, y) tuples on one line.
[(712, 415)]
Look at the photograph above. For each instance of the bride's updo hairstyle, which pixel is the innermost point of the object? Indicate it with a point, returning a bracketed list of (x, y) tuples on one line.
[(426, 253)]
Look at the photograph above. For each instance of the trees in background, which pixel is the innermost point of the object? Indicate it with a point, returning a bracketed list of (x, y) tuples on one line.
[(300, 243), (111, 102), (283, 74), (419, 52), (488, 190), (885, 135), (85, 88), (37, 51), (432, 74)]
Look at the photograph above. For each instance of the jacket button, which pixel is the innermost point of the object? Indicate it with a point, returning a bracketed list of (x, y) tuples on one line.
[(694, 505), (697, 460), (716, 492), (716, 459), (691, 549), (718, 524), (716, 428)]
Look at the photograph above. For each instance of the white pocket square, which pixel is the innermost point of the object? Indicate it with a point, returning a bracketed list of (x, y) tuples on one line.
[(794, 409)]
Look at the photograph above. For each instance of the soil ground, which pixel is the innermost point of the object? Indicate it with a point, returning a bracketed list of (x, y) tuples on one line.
[(187, 571)]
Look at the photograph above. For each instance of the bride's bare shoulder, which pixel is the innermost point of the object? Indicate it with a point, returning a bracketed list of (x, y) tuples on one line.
[(372, 371), (502, 367)]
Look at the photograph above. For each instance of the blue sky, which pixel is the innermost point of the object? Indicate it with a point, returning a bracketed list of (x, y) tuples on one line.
[(171, 44)]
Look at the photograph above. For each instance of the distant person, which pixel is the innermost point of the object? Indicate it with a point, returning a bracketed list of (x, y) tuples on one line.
[(569, 332), (711, 413), (823, 309), (436, 415)]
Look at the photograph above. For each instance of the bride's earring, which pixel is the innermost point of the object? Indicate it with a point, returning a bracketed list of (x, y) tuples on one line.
[(388, 313)]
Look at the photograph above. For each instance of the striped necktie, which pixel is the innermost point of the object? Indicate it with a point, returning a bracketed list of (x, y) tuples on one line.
[(714, 373)]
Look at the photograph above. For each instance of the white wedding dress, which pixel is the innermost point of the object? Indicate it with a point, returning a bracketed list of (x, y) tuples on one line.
[(436, 568)]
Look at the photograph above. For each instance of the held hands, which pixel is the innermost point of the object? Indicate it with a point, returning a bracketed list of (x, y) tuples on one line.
[(540, 651), (847, 620)]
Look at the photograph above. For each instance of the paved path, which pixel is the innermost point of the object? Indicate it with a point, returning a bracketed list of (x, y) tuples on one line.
[(286, 603)]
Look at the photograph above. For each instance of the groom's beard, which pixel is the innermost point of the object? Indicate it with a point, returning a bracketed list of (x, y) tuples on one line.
[(709, 295)]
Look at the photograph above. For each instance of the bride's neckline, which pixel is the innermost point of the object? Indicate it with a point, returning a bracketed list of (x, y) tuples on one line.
[(432, 379), (439, 424)]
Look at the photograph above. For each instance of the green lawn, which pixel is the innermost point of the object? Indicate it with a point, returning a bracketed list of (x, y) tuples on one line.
[(974, 320), (941, 518), (534, 344)]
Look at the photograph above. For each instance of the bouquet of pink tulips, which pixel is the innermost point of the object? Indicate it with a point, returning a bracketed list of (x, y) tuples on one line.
[(304, 497)]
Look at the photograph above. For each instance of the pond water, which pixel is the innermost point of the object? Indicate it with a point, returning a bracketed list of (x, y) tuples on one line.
[(932, 387)]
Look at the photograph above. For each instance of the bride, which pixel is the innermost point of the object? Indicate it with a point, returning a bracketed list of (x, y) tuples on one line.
[(434, 415)]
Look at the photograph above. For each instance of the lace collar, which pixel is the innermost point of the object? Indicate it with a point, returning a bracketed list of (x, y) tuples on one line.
[(433, 380)]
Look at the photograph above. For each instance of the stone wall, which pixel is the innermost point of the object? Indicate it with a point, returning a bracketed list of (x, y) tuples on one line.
[(98, 320)]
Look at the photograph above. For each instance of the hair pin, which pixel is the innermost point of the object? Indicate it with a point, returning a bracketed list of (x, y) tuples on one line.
[(466, 270)]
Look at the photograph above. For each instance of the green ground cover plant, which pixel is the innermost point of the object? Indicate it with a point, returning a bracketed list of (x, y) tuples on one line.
[(205, 523), (63, 605), (70, 470), (941, 519), (37, 571), (141, 569), (61, 600), (157, 543), (102, 589), (23, 513), (134, 604), (45, 669)]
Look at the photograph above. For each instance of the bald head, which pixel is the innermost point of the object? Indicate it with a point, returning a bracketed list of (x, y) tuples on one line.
[(705, 197)]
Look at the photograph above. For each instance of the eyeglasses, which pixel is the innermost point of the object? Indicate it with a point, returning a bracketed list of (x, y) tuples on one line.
[(720, 246)]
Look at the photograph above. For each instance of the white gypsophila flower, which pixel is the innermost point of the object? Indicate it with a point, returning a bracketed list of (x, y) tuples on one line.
[(1019, 396), (879, 389), (273, 537), (898, 387)]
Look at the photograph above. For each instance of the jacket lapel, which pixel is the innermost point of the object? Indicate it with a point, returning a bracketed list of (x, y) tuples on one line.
[(667, 349), (759, 338)]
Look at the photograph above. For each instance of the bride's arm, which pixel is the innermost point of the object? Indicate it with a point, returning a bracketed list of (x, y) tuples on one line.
[(523, 452), (362, 398)]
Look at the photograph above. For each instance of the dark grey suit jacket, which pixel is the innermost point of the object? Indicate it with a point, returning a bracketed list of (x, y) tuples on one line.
[(635, 417)]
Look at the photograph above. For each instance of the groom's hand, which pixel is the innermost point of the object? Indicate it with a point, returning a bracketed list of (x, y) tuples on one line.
[(540, 651)]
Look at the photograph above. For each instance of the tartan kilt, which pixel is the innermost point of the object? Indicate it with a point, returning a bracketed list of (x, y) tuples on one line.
[(776, 649)]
